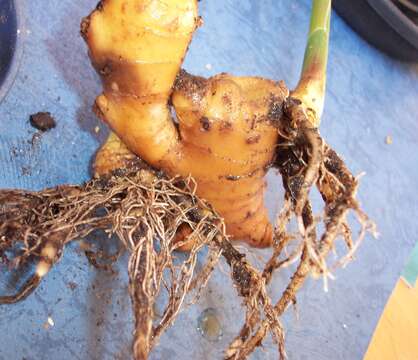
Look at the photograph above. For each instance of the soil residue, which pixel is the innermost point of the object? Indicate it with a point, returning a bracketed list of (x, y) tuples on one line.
[(42, 121)]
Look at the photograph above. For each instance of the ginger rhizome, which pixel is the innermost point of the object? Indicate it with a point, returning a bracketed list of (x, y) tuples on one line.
[(184, 169), (226, 131)]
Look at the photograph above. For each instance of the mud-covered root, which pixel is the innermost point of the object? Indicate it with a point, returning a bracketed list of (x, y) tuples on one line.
[(152, 256), (143, 209), (311, 256), (304, 160), (251, 286), (27, 232)]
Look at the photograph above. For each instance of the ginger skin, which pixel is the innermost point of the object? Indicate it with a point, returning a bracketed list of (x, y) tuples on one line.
[(227, 126)]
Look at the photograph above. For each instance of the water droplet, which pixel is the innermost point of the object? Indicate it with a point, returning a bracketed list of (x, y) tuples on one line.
[(209, 325)]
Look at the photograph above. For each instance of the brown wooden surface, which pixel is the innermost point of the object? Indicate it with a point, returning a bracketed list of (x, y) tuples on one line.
[(396, 335)]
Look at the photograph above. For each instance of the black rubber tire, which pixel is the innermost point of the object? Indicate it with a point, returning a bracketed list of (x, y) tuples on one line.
[(374, 29)]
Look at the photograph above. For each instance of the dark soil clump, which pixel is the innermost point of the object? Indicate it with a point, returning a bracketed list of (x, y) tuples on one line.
[(42, 121)]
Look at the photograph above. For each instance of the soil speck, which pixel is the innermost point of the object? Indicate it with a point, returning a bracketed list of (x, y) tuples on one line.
[(72, 285), (42, 121)]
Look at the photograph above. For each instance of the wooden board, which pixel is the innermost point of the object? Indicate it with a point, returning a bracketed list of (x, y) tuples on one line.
[(396, 335)]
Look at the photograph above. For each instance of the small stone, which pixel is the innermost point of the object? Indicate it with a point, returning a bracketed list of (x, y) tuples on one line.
[(50, 321), (388, 140), (42, 121), (96, 129)]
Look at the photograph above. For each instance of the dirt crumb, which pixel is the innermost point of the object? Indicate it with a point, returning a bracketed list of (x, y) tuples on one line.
[(42, 121), (253, 139), (72, 285)]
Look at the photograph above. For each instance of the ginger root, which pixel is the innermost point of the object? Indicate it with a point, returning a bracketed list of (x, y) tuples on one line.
[(226, 133), (227, 126)]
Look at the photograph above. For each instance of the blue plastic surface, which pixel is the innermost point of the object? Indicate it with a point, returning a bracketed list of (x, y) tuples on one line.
[(369, 97)]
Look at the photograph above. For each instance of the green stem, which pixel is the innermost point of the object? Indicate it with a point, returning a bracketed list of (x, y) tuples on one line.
[(311, 87)]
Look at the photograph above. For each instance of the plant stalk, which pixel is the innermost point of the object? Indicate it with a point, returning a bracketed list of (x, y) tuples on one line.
[(311, 87)]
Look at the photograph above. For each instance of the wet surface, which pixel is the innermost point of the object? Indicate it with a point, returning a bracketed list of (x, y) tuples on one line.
[(209, 325), (369, 98)]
